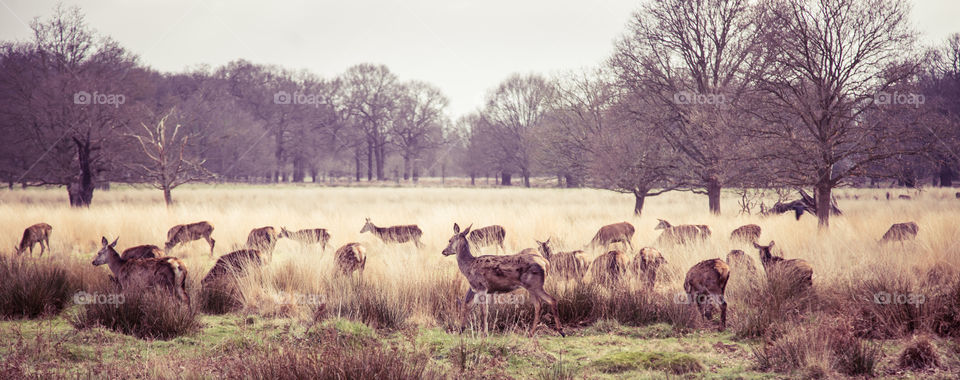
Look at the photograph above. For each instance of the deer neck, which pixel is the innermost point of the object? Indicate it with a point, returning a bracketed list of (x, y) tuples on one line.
[(115, 262), (465, 258)]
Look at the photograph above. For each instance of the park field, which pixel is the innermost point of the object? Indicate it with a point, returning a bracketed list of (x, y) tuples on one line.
[(294, 318)]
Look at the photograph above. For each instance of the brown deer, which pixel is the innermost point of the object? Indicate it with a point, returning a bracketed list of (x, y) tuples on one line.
[(167, 273), (646, 263), (37, 233), (487, 236), (609, 268), (739, 261), (142, 252), (681, 234), (901, 232), (801, 270), (395, 234), (491, 274), (612, 233), (308, 236), (350, 258), (705, 284), (185, 233), (233, 263), (263, 239), (569, 265), (749, 233)]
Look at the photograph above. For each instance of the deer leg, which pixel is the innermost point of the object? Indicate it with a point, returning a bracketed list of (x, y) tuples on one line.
[(552, 303), (212, 243), (536, 313), (43, 248), (723, 313), (467, 305)]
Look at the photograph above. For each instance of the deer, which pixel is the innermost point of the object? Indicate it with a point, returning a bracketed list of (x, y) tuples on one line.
[(185, 233), (352, 257), (646, 263), (142, 252), (233, 263), (395, 234), (569, 265), (901, 232), (705, 284), (263, 239), (681, 234), (490, 274), (167, 273), (308, 236), (609, 268), (37, 233), (748, 233), (487, 236), (612, 233), (739, 261), (800, 269)]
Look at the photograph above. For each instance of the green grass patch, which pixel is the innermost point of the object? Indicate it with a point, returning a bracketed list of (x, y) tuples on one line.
[(672, 362)]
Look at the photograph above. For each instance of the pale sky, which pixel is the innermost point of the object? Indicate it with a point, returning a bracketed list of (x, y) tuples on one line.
[(465, 47)]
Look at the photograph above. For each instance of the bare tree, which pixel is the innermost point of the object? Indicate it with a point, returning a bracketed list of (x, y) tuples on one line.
[(512, 113), (167, 165), (417, 123), (371, 92)]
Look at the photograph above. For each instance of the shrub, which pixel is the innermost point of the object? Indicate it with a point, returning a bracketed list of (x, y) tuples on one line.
[(793, 350), (879, 311), (32, 288), (854, 356), (675, 363), (762, 306), (149, 315), (219, 297), (920, 354)]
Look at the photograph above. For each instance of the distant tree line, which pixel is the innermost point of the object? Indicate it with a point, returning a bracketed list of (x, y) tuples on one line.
[(697, 96)]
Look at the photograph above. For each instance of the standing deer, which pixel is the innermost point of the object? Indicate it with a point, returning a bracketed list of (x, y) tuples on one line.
[(233, 263), (609, 268), (739, 261), (395, 234), (490, 274), (901, 232), (799, 269), (142, 252), (350, 258), (185, 233), (569, 265), (308, 236), (705, 284), (749, 233), (682, 234), (646, 263), (263, 239), (612, 233), (37, 233), (487, 236), (167, 272)]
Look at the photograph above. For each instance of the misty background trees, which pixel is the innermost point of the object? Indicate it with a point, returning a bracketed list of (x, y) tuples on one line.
[(695, 96)]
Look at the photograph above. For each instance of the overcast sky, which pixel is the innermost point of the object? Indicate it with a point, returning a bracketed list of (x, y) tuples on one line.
[(464, 47)]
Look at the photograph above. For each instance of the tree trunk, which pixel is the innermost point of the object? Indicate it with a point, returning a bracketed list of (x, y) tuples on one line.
[(369, 160), (946, 175), (823, 192), (299, 168), (167, 196), (638, 198), (505, 179), (713, 195), (356, 162), (473, 179), (526, 177), (572, 181), (81, 193), (406, 167), (380, 164)]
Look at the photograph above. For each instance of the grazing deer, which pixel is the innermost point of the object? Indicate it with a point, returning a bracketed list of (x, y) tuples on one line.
[(749, 233), (901, 232), (609, 267), (904, 197), (612, 233), (705, 284), (799, 268), (395, 234), (350, 258), (569, 265), (233, 263), (263, 239), (308, 236), (739, 261), (142, 252), (646, 263), (185, 233), (167, 272), (682, 234), (487, 236), (491, 274), (37, 233)]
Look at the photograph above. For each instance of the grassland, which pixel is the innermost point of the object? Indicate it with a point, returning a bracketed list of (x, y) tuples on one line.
[(404, 306)]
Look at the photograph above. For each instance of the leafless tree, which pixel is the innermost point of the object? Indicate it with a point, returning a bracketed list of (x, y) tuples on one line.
[(166, 162), (513, 112), (372, 92), (417, 124)]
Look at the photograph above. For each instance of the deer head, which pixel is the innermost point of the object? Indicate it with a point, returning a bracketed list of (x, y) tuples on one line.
[(368, 226), (662, 225), (458, 242), (284, 233), (545, 249), (106, 251), (766, 256)]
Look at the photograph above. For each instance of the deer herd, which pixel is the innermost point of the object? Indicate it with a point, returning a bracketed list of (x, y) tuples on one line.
[(147, 267)]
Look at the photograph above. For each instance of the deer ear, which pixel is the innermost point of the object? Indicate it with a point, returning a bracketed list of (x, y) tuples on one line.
[(540, 242), (771, 244), (103, 241), (467, 231), (456, 228), (755, 245), (114, 244)]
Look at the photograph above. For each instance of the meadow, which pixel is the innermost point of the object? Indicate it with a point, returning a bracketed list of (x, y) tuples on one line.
[(295, 318)]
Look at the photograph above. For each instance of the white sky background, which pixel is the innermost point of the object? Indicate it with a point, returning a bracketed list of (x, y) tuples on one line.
[(465, 47)]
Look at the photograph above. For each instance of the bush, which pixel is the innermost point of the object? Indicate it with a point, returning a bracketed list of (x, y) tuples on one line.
[(919, 355), (149, 315), (762, 306), (675, 363), (33, 288), (794, 350), (854, 356)]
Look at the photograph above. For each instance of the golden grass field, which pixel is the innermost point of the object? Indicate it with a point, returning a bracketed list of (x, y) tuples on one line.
[(411, 278)]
